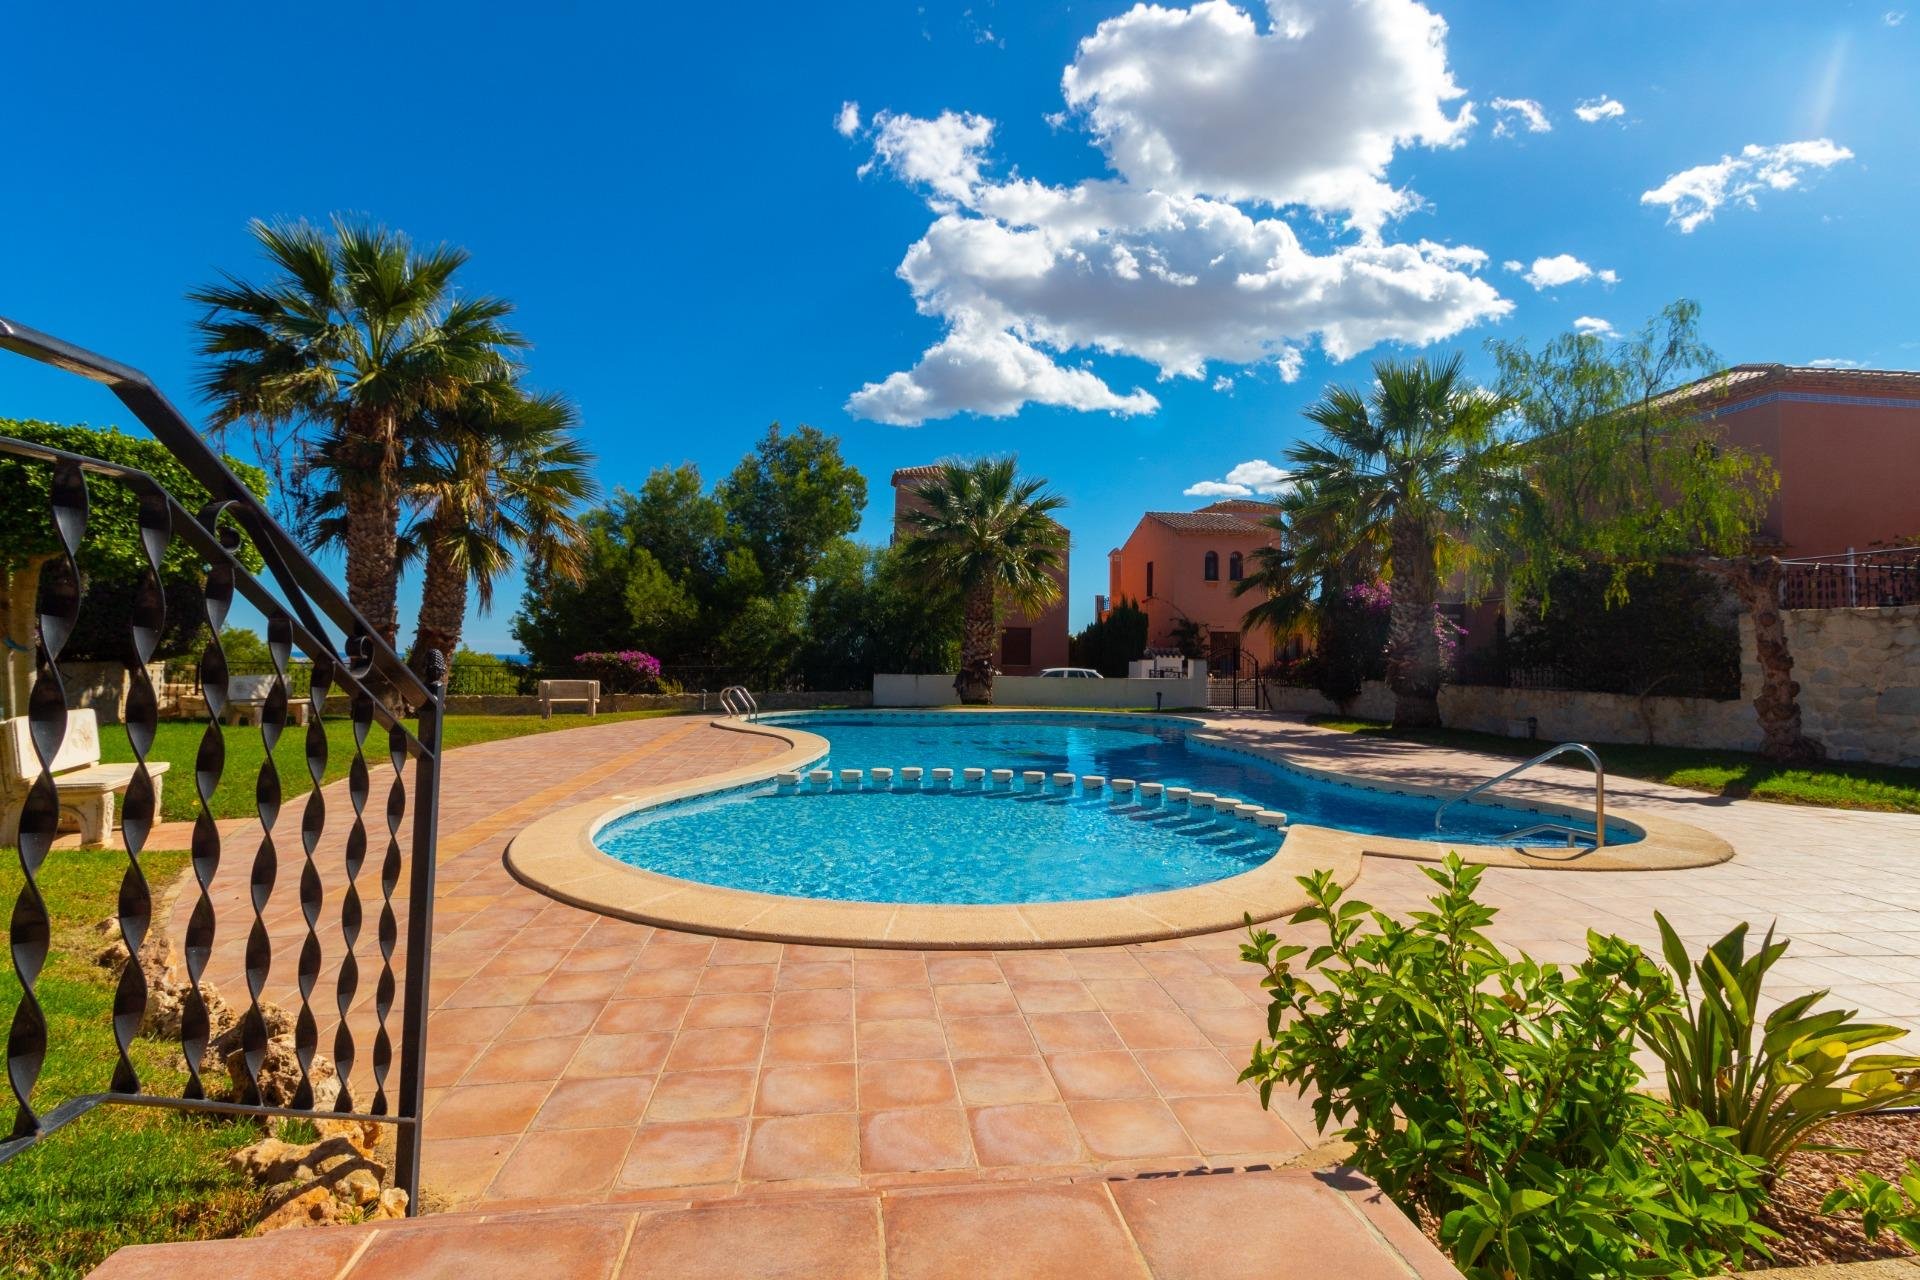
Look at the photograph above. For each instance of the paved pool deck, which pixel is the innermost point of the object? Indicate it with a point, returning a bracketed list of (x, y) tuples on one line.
[(576, 1060)]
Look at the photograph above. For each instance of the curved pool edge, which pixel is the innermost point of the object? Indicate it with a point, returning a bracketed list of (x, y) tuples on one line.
[(556, 856), (1664, 844)]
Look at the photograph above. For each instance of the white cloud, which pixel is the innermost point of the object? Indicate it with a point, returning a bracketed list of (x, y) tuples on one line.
[(943, 153), (1836, 362), (1520, 113), (1594, 110), (846, 122), (1155, 262), (1201, 101), (1255, 476), (1594, 325), (1692, 195), (1223, 383), (1894, 17), (979, 369), (1513, 264), (1561, 269)]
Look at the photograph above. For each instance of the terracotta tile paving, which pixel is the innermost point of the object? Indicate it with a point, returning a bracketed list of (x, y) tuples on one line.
[(711, 1067)]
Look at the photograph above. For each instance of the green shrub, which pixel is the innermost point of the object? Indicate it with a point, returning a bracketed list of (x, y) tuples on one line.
[(1805, 1070), (1882, 1206), (1497, 1096)]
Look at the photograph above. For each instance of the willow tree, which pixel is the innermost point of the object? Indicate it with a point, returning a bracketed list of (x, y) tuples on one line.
[(982, 529), (1396, 476), (354, 336), (1615, 467)]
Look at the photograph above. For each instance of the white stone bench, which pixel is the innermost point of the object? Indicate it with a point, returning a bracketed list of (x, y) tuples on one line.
[(85, 786), (586, 692)]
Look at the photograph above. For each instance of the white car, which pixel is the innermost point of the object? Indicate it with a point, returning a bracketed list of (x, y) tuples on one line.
[(1071, 673)]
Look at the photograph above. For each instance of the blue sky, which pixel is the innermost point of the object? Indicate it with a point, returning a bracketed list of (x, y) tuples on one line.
[(1134, 274)]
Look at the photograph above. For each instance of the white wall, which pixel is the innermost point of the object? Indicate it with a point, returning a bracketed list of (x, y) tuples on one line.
[(1037, 691)]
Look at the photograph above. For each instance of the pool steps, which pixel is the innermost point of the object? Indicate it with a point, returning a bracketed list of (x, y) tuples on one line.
[(1227, 807)]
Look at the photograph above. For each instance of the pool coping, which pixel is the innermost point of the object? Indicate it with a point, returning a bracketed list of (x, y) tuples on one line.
[(556, 855)]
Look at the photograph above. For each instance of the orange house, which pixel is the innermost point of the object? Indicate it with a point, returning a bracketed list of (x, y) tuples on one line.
[(1028, 645), (1846, 443), (1182, 566)]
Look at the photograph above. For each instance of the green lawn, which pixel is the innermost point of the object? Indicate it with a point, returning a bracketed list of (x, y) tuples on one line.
[(1884, 788), (118, 1175), (178, 742)]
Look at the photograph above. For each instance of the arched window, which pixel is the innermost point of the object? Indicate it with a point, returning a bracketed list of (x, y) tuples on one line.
[(1149, 579), (1213, 566), (1236, 568)]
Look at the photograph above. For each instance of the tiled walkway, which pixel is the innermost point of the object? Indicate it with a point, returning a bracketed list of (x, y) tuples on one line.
[(1251, 1226), (576, 1059)]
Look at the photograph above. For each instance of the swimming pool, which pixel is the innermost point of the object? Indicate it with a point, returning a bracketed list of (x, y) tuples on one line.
[(934, 843)]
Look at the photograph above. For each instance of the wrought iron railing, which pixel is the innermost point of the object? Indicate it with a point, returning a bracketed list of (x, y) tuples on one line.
[(1878, 579), (303, 610)]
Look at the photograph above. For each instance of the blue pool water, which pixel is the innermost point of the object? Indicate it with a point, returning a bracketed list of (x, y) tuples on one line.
[(975, 844)]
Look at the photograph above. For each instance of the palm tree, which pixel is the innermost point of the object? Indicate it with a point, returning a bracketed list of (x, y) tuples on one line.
[(490, 483), (498, 476), (1394, 474), (979, 528), (356, 336)]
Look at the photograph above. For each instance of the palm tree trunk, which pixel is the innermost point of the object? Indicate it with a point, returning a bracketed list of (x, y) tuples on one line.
[(978, 635), (1756, 581), (1413, 651), (373, 573), (443, 604)]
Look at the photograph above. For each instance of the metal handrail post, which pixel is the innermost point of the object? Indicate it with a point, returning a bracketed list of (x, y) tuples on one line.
[(1599, 786), (413, 1034)]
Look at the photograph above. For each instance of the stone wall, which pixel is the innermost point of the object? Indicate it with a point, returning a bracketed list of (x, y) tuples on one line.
[(1560, 715), (1859, 674)]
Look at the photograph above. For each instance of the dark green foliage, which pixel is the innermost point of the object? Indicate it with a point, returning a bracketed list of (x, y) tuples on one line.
[(111, 558), (1352, 645), (701, 580), (1673, 635), (789, 500), (1110, 643), (866, 614), (1498, 1096)]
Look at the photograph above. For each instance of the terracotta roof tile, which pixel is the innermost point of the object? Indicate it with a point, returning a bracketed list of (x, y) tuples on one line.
[(1207, 522)]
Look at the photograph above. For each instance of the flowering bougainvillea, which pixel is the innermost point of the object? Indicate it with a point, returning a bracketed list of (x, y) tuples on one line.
[(624, 671), (1376, 600)]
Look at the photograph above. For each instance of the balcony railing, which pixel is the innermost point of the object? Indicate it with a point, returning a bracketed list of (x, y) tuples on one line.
[(369, 870), (1877, 579)]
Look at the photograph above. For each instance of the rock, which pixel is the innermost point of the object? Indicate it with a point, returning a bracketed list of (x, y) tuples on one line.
[(269, 1161), (280, 1075), (359, 1188), (362, 1135), (314, 1207), (393, 1204)]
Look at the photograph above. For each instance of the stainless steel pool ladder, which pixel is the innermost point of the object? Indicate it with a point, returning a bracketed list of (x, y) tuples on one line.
[(739, 701), (1599, 833)]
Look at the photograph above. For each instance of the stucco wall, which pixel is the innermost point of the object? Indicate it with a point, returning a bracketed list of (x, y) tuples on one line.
[(1036, 691), (1859, 674)]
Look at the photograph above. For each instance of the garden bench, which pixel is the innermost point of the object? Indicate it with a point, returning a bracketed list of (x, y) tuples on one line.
[(247, 702), (583, 691), (86, 787)]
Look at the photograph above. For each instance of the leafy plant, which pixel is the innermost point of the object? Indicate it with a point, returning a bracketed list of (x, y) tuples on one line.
[(1882, 1206), (1498, 1096), (1774, 1082)]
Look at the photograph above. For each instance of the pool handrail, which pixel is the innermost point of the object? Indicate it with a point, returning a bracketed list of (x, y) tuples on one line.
[(1564, 748), (739, 702)]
